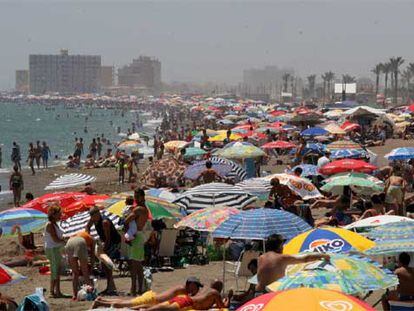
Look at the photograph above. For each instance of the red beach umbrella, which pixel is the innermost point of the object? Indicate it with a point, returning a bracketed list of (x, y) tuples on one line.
[(278, 144), (347, 165)]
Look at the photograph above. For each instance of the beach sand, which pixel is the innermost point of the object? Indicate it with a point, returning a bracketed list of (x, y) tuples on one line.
[(107, 183)]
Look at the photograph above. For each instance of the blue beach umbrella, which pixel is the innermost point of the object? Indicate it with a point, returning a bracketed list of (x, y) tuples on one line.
[(391, 247), (259, 224), (193, 171), (28, 219), (348, 153), (404, 153), (314, 131), (397, 230), (307, 170)]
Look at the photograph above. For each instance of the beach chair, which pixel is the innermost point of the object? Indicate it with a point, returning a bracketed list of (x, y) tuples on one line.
[(167, 244), (239, 268), (401, 305)]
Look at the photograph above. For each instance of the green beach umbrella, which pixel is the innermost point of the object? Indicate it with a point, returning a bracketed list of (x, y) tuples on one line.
[(358, 181), (193, 152)]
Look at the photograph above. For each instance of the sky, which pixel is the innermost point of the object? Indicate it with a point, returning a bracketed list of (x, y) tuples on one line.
[(210, 41)]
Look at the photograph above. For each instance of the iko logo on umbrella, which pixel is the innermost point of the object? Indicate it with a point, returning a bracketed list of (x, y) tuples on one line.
[(336, 305), (253, 307), (326, 246)]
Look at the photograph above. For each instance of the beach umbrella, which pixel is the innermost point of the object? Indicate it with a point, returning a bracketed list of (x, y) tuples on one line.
[(78, 222), (396, 230), (357, 181), (348, 153), (376, 221), (258, 187), (161, 194), (69, 181), (403, 153), (309, 299), (349, 126), (350, 274), (83, 204), (391, 247), (223, 136), (259, 224), (9, 276), (343, 144), (213, 194), (175, 145), (193, 152), (129, 145), (28, 219), (134, 136), (347, 165), (327, 240), (314, 147), (240, 150), (164, 173), (207, 219), (279, 144), (63, 199), (301, 186), (237, 173), (225, 122), (335, 129), (314, 131), (307, 170), (193, 171)]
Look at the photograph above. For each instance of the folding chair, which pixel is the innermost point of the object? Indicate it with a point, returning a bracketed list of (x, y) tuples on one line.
[(240, 267), (167, 244)]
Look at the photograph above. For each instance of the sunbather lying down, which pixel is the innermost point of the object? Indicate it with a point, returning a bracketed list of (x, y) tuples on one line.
[(187, 297)]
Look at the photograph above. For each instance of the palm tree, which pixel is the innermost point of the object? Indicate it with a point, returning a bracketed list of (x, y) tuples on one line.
[(329, 78), (377, 70), (285, 78), (406, 75), (386, 68), (324, 79), (348, 79), (395, 63), (311, 82)]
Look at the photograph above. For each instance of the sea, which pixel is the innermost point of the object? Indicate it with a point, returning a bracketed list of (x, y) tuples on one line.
[(59, 125)]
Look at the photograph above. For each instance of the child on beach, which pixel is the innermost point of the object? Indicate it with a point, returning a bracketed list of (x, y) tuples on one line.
[(131, 228)]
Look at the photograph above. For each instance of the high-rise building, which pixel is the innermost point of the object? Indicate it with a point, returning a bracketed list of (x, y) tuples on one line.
[(107, 76), (22, 81), (144, 71), (64, 73)]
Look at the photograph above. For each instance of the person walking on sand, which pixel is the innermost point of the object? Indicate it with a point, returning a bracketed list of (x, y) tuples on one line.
[(16, 185), (136, 253), (16, 156), (54, 242), (45, 154), (31, 157)]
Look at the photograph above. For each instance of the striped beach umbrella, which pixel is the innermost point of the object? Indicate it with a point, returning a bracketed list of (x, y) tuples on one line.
[(9, 276), (237, 173), (77, 223), (343, 144), (70, 180), (259, 224), (391, 247), (315, 299), (403, 153), (213, 194), (28, 219), (240, 150), (376, 221), (193, 171), (397, 230)]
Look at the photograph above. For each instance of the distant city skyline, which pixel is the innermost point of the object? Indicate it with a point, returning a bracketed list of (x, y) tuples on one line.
[(204, 41)]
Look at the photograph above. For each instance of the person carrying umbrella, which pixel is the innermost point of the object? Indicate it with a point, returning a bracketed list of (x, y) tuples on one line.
[(111, 240), (272, 264), (209, 175)]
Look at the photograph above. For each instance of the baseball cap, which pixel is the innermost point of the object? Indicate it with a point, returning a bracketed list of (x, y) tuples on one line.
[(194, 280)]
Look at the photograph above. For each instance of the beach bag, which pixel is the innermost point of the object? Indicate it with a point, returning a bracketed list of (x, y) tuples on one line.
[(33, 303), (147, 279)]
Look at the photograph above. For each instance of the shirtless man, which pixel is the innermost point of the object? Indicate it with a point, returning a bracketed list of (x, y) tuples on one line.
[(272, 264), (150, 298), (209, 175), (281, 194), (136, 252), (395, 188), (204, 300), (405, 288)]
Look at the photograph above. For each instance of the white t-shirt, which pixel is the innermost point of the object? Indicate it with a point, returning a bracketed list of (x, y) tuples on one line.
[(323, 161)]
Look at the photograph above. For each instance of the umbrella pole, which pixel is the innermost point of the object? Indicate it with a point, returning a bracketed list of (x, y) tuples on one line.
[(224, 268)]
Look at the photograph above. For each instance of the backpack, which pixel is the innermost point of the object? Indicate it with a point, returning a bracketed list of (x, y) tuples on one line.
[(33, 303)]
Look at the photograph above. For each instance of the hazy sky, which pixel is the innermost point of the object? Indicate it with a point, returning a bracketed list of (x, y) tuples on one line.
[(210, 40)]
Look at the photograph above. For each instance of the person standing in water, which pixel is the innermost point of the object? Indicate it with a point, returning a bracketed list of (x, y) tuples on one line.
[(78, 148), (99, 147), (45, 154), (38, 154), (31, 157), (16, 156), (93, 148)]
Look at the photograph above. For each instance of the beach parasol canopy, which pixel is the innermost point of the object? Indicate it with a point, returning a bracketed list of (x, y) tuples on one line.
[(335, 129), (129, 145), (240, 150), (259, 224), (62, 199), (175, 145), (167, 172), (310, 299), (237, 173), (307, 170), (314, 131), (392, 247), (301, 186), (78, 222), (347, 165), (350, 274), (343, 144), (193, 152), (134, 136), (403, 153), (69, 181), (357, 181), (279, 144), (83, 204), (207, 219), (348, 153), (28, 219), (193, 171), (396, 230), (327, 240), (376, 221), (9, 276), (212, 195), (349, 126), (222, 136), (258, 187)]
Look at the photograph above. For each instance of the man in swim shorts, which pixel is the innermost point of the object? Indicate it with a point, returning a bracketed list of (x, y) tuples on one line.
[(150, 298)]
